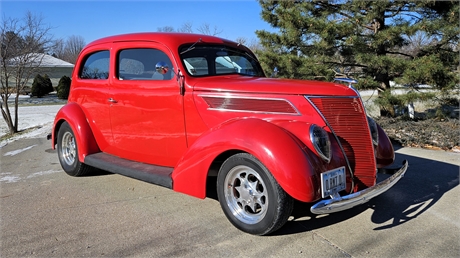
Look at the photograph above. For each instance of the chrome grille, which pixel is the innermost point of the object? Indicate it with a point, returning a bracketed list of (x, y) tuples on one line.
[(347, 118)]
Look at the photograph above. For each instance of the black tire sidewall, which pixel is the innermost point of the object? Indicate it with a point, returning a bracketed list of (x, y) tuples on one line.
[(268, 222), (73, 169)]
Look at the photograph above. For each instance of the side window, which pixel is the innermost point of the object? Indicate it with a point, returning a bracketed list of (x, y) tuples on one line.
[(140, 64), (197, 65), (96, 66), (233, 64)]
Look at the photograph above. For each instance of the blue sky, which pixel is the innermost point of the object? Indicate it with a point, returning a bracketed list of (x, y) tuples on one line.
[(99, 18)]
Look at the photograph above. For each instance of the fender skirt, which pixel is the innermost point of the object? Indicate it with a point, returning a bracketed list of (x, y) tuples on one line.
[(278, 150)]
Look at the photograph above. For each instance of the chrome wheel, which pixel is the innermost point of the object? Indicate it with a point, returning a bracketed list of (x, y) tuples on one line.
[(250, 197), (246, 194), (68, 150)]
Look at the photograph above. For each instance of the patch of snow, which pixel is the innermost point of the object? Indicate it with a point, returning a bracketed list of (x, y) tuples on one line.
[(16, 152), (9, 178), (6, 177), (42, 173), (40, 117)]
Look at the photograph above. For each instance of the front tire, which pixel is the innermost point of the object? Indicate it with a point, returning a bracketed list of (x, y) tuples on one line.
[(68, 152), (250, 197)]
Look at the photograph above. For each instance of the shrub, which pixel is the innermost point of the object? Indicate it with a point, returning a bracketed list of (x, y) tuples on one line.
[(63, 87), (47, 84), (37, 86), (41, 86), (395, 105)]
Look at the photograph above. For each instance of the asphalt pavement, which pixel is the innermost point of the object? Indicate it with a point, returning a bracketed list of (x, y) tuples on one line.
[(46, 213)]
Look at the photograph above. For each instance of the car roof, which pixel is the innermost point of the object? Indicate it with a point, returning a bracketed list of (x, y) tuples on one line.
[(173, 40)]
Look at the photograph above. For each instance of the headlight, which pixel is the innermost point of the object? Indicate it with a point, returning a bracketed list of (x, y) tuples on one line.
[(374, 130), (321, 142)]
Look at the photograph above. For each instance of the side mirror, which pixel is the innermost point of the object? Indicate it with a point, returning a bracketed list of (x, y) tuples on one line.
[(162, 67)]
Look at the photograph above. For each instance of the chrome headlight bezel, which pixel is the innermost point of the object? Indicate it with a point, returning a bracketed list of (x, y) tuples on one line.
[(321, 142), (373, 130)]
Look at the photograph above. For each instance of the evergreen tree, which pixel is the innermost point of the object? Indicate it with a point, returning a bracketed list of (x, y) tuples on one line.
[(372, 41), (63, 88), (41, 86), (47, 84), (38, 89)]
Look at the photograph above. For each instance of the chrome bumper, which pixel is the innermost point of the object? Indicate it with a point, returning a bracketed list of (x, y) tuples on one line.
[(340, 203)]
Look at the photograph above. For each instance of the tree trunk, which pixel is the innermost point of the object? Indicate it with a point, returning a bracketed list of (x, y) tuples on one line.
[(383, 78), (7, 115), (16, 111)]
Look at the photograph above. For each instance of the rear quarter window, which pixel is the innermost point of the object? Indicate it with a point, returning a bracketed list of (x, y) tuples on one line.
[(96, 66)]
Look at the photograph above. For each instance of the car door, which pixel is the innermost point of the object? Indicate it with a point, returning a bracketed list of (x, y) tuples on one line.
[(90, 90), (147, 107)]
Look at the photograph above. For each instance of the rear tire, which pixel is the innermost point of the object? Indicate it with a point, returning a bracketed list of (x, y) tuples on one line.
[(68, 152), (250, 197)]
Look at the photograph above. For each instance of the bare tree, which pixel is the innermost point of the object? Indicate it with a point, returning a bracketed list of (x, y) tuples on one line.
[(205, 28), (73, 46), (23, 44), (57, 50), (241, 40), (186, 27), (69, 49), (165, 29), (254, 44), (417, 42)]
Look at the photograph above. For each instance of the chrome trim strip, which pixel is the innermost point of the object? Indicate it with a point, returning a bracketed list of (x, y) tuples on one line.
[(340, 203), (251, 111), (336, 138), (336, 97)]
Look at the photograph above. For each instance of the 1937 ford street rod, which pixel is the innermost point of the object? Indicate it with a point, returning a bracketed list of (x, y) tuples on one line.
[(175, 109)]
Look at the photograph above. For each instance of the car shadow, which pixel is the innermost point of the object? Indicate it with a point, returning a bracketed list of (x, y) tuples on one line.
[(94, 171), (425, 183)]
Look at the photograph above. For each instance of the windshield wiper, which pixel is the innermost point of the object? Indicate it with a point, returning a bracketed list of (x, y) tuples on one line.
[(191, 47)]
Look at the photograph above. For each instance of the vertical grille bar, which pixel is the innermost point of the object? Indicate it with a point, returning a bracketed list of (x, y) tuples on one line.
[(347, 118)]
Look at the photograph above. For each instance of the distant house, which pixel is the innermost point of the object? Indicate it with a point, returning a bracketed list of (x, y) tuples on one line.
[(55, 68)]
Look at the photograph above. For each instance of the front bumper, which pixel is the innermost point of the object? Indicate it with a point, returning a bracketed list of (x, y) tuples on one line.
[(340, 203)]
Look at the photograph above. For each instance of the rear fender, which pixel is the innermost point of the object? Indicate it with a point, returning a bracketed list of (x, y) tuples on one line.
[(385, 154), (277, 149), (73, 114)]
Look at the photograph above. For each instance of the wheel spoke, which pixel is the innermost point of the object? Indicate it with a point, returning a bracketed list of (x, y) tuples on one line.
[(68, 148), (245, 194)]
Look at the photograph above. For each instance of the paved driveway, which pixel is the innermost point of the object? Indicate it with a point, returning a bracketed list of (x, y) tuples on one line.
[(44, 212)]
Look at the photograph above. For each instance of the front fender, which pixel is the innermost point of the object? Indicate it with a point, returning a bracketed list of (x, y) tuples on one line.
[(73, 114), (278, 150)]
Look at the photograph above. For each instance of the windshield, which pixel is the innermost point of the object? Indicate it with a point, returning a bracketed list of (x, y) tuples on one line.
[(209, 60)]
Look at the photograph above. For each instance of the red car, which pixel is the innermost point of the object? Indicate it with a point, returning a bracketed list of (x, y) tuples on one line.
[(176, 109)]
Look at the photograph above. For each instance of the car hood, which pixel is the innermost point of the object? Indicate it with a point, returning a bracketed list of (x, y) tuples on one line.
[(246, 84)]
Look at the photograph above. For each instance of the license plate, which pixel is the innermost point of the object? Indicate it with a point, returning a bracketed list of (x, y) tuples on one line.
[(332, 181)]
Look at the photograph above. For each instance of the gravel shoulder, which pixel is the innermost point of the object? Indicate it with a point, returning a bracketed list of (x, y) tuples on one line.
[(428, 133)]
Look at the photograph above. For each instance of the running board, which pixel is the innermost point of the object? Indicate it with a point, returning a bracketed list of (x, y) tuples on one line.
[(148, 173)]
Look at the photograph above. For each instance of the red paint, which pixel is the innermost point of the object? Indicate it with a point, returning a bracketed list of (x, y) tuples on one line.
[(150, 121)]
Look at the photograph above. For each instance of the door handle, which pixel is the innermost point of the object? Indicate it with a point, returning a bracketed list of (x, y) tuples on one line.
[(111, 100)]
